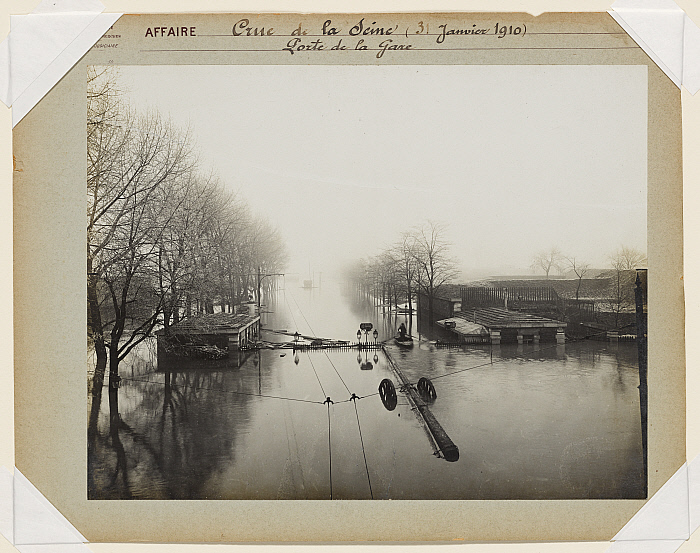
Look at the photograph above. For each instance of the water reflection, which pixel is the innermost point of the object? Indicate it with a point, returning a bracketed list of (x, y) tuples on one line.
[(531, 421)]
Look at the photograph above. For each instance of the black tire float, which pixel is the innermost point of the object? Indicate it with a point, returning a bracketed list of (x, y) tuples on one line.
[(387, 393), (426, 389)]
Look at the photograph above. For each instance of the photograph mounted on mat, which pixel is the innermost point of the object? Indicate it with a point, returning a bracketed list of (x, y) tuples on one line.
[(354, 257)]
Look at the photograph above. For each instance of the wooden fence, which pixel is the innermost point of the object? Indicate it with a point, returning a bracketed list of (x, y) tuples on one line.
[(543, 300), (479, 296)]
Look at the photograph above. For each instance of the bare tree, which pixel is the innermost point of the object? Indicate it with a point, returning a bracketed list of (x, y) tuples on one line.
[(158, 233), (407, 267), (547, 260), (580, 269), (620, 296), (627, 259), (133, 165), (266, 254), (105, 137), (385, 273), (435, 265)]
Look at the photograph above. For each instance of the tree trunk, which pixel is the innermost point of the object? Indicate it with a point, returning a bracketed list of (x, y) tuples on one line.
[(96, 333), (114, 363), (166, 319), (114, 423), (430, 309), (410, 309)]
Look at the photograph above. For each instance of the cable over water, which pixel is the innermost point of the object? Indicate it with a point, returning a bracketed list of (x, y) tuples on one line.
[(317, 378), (522, 356), (336, 372), (330, 453), (315, 335), (290, 309), (304, 316), (363, 445), (222, 391)]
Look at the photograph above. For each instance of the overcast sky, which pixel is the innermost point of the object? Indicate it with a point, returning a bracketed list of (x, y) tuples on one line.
[(514, 159)]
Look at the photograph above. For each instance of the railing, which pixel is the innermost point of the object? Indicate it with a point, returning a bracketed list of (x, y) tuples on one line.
[(536, 299), (479, 296)]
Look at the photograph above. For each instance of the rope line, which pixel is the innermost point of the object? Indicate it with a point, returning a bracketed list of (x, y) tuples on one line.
[(460, 371), (327, 356), (336, 372), (223, 391), (324, 351), (330, 454), (304, 316), (524, 355), (317, 378), (290, 309), (363, 446), (357, 397)]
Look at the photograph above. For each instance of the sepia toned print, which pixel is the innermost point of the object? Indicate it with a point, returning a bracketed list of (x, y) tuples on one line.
[(225, 314), (366, 258)]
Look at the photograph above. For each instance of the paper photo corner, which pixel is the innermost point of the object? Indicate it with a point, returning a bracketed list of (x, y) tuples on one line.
[(30, 522), (29, 68), (44, 45), (33, 525)]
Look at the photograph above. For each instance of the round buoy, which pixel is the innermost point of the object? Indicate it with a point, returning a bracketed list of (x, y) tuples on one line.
[(426, 389), (387, 393)]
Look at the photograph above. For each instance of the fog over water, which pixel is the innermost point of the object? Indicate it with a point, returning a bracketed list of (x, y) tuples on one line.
[(532, 421), (342, 159)]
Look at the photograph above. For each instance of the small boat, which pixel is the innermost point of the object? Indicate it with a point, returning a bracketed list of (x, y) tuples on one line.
[(406, 341)]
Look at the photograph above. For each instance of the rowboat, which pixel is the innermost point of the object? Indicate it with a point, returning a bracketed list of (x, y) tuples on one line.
[(405, 342)]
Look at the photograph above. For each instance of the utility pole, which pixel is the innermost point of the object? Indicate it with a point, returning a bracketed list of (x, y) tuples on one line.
[(258, 289), (639, 295)]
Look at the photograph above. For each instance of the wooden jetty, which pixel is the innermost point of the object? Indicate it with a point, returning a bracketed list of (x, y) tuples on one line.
[(436, 433)]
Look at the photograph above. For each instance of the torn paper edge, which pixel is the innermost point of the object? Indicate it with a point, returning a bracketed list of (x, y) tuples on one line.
[(668, 36)]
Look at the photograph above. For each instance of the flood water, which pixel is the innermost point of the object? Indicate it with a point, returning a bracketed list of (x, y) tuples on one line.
[(531, 422)]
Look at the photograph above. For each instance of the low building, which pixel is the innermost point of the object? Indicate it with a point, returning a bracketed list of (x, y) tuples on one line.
[(467, 332), (224, 330), (501, 324)]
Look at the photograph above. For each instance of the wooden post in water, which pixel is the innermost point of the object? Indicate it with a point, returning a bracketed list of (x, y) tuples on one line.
[(443, 442)]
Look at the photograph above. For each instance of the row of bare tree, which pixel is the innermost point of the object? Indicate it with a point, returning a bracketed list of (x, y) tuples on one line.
[(419, 262), (624, 258), (620, 273), (164, 240)]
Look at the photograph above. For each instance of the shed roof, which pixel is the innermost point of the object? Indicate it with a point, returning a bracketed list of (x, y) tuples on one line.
[(499, 317), (214, 323), (464, 327)]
